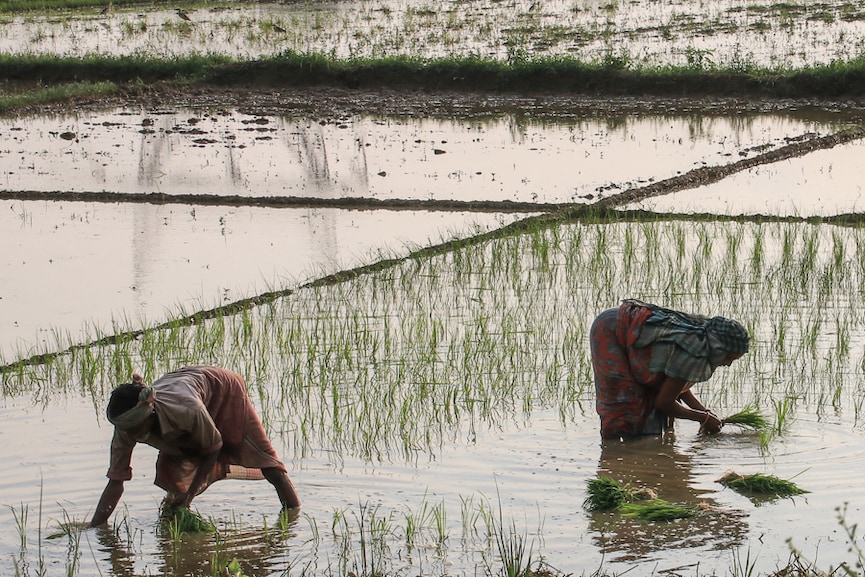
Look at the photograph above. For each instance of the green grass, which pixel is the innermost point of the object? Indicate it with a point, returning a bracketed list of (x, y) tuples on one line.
[(51, 69), (60, 93), (12, 6), (556, 74)]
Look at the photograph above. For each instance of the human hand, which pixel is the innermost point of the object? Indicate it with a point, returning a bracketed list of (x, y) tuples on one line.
[(711, 423), (174, 502)]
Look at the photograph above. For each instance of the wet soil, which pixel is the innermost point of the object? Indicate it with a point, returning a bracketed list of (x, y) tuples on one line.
[(331, 103)]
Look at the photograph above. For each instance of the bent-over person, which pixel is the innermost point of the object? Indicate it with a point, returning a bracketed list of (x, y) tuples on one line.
[(205, 428), (645, 359)]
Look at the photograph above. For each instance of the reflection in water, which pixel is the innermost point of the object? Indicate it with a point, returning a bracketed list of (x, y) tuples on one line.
[(542, 156), (656, 462), (257, 550)]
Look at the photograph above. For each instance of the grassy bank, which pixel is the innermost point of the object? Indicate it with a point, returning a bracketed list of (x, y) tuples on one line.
[(547, 74)]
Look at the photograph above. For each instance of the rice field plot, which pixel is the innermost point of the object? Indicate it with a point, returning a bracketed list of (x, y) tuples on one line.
[(727, 33), (160, 209), (435, 407), (447, 399)]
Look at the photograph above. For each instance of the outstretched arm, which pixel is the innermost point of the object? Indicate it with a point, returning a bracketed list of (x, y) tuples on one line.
[(284, 488), (110, 497), (692, 401)]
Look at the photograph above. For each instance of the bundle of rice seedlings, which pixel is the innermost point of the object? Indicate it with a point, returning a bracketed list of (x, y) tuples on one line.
[(186, 521), (656, 510), (760, 484), (750, 418), (607, 494)]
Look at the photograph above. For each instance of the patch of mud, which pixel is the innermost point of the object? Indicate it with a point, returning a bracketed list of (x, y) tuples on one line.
[(333, 104)]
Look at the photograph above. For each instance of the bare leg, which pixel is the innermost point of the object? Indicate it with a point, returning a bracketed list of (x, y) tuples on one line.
[(280, 481)]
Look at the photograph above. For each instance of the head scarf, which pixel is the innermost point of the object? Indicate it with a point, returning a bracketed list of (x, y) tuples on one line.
[(729, 335), (688, 347), (137, 414)]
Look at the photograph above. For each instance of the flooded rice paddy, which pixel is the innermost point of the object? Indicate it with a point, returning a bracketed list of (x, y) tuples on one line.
[(680, 32), (94, 265), (436, 413), (427, 407), (421, 405)]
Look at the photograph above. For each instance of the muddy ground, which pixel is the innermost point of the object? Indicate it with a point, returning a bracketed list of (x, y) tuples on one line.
[(334, 103)]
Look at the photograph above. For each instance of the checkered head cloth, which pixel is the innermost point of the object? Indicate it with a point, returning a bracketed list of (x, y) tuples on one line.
[(731, 335)]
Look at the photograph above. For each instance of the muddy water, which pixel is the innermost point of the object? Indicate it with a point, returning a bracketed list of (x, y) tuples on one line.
[(682, 32), (83, 269)]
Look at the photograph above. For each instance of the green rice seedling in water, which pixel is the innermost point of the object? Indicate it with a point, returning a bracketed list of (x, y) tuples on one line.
[(185, 521), (749, 418), (742, 568), (607, 494), (514, 553), (759, 484), (439, 514), (783, 411), (656, 510), (232, 569)]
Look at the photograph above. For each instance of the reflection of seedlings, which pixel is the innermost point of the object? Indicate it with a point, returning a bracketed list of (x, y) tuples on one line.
[(656, 510)]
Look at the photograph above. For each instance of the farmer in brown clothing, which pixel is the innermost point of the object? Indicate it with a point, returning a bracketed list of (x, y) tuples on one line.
[(205, 428)]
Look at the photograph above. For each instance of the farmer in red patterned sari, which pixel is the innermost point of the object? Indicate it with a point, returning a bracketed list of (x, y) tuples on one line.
[(206, 429), (646, 358)]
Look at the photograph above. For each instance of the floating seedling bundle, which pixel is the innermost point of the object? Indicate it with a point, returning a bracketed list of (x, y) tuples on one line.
[(759, 484), (607, 494)]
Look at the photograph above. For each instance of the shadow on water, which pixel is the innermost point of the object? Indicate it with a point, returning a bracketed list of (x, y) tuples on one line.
[(659, 463)]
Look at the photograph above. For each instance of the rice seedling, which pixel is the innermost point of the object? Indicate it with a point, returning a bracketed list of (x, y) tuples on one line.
[(742, 568), (182, 521), (232, 569), (403, 359), (761, 485), (607, 494), (748, 418), (783, 411), (656, 510), (514, 553)]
